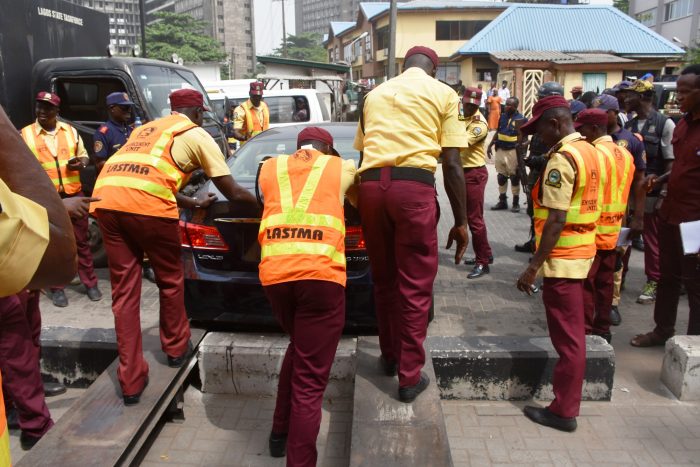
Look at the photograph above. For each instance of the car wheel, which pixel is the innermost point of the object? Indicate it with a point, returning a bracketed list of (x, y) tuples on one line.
[(97, 248)]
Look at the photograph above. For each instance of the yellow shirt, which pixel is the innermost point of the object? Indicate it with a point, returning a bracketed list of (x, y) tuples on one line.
[(24, 235), (196, 148), (474, 155), (558, 196), (239, 116), (407, 122), (51, 140)]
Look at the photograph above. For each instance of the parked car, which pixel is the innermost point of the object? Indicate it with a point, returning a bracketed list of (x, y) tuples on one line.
[(221, 253)]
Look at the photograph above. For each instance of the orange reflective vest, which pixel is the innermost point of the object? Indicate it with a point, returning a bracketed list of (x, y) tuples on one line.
[(577, 239), (253, 125), (56, 166), (4, 433), (142, 177), (620, 169), (302, 230)]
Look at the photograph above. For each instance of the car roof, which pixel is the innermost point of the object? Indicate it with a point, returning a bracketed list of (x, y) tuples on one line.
[(337, 129)]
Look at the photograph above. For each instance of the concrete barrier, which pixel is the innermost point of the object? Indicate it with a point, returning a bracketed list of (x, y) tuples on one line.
[(236, 363), (681, 368), (513, 368)]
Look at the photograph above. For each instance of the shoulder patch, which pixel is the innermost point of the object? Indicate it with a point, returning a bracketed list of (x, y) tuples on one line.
[(98, 145), (553, 178), (104, 129), (476, 131), (623, 142)]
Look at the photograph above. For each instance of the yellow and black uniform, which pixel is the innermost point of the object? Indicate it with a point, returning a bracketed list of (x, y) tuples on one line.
[(251, 120)]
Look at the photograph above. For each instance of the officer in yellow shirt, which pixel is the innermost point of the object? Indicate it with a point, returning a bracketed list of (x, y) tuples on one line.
[(38, 250), (567, 202), (475, 178), (252, 116), (406, 124)]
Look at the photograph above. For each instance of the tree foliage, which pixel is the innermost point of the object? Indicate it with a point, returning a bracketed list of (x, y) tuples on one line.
[(692, 57), (622, 5), (183, 35), (304, 46)]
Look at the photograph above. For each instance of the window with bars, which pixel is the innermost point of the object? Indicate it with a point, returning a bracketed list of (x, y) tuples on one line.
[(457, 30)]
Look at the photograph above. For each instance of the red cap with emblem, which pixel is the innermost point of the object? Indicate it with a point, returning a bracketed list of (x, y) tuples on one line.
[(314, 133), (183, 98), (472, 96), (49, 97), (256, 88), (427, 51), (598, 117), (540, 107)]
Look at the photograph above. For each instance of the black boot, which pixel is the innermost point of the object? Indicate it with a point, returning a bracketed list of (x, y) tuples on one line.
[(516, 204), (502, 203), (527, 247)]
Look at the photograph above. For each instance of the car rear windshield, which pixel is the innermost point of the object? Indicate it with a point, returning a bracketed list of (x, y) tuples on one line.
[(244, 165)]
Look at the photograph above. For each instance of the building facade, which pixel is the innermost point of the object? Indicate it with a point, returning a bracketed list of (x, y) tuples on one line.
[(157, 6), (676, 20), (231, 23), (124, 22), (315, 15)]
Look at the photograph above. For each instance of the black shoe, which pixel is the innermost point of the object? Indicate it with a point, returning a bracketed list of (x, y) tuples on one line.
[(27, 441), (527, 247), (472, 261), (94, 294), (607, 336), (135, 398), (543, 416), (502, 205), (59, 299), (177, 362), (149, 274), (478, 271), (390, 368), (409, 394), (638, 244), (615, 318), (54, 389), (12, 419), (278, 445), (516, 204)]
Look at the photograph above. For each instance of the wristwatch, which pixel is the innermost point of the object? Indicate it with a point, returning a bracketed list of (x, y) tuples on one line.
[(196, 202)]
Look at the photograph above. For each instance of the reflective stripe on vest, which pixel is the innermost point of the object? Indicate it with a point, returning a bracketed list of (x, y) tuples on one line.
[(615, 196), (4, 433), (253, 125), (295, 243), (56, 167), (142, 178), (577, 239)]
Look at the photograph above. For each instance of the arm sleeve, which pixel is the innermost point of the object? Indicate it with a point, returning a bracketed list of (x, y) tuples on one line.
[(101, 145), (558, 183), (359, 142), (24, 236), (666, 136), (196, 148), (82, 152), (347, 182), (477, 133), (238, 118), (639, 154), (453, 133)]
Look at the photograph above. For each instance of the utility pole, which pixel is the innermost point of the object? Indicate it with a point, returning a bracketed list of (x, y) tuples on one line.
[(284, 30), (392, 41), (142, 6)]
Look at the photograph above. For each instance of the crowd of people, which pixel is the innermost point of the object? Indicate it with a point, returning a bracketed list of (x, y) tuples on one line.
[(596, 165)]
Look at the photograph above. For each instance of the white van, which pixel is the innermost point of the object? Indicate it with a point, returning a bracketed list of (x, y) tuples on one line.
[(293, 106)]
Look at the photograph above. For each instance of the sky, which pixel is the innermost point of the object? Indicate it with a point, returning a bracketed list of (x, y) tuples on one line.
[(268, 24)]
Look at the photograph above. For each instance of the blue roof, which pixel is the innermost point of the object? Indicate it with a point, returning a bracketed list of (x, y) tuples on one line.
[(371, 9), (339, 27), (581, 28)]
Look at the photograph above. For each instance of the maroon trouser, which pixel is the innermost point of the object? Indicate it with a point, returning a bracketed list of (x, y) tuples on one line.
[(598, 292), (399, 222), (19, 362), (676, 268), (651, 246), (126, 238), (563, 302), (475, 180), (312, 312), (86, 269)]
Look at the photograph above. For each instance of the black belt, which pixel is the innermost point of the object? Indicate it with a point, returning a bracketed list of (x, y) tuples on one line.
[(400, 173), (467, 169)]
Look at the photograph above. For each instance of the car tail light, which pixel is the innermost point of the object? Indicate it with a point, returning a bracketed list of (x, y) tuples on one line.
[(202, 237), (354, 240)]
